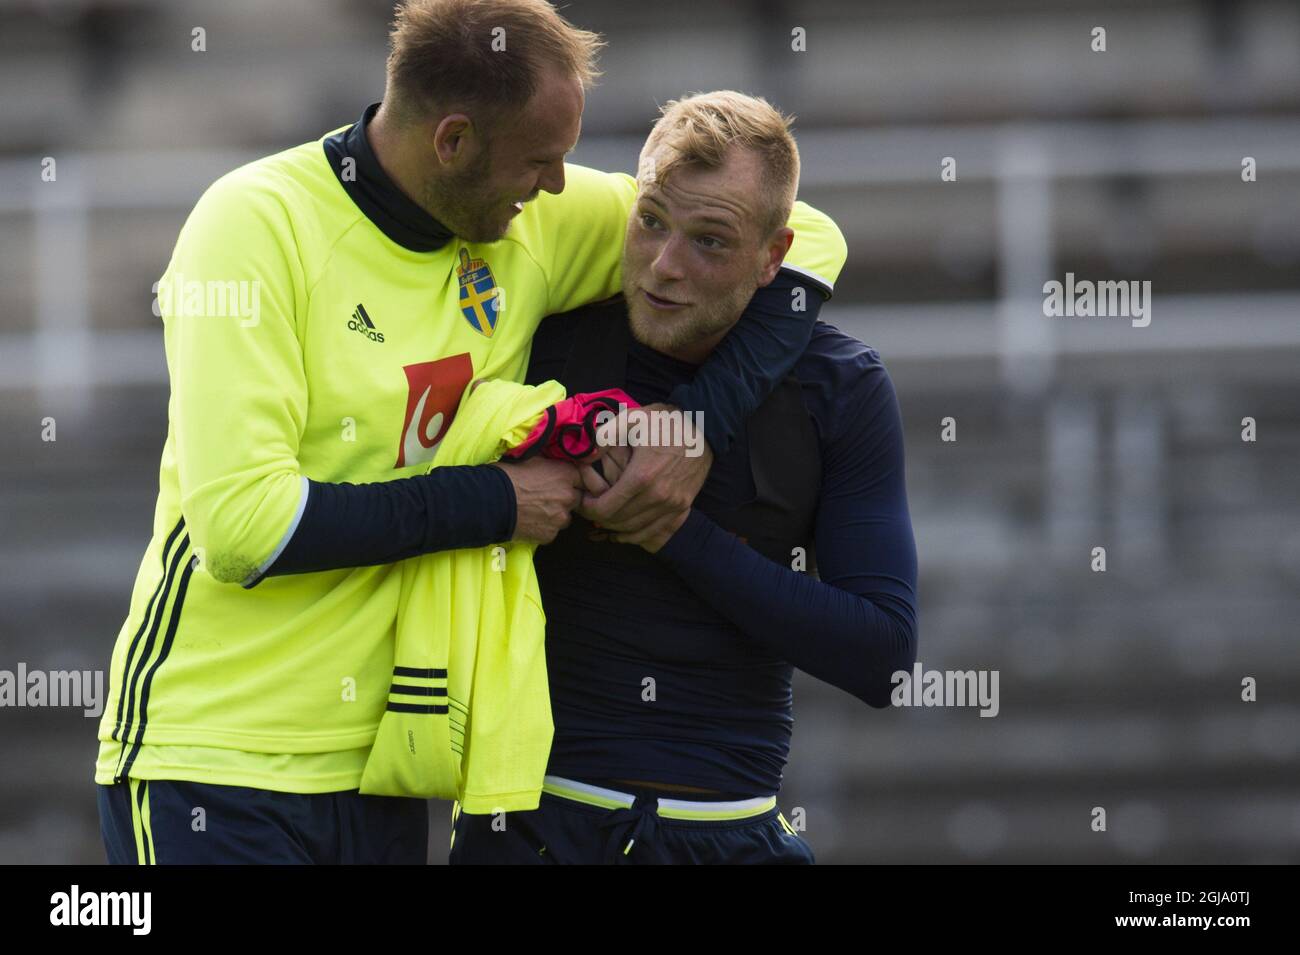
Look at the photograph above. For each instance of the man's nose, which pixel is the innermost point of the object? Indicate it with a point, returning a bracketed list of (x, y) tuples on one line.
[(667, 266), (552, 178)]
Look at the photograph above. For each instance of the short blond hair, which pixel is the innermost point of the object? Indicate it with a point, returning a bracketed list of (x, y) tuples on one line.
[(702, 129), (489, 54)]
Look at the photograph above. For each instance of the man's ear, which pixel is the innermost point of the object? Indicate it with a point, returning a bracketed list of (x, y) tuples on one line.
[(454, 139), (774, 254)]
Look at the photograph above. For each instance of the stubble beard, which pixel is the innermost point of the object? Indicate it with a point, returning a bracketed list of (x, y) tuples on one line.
[(671, 333), (463, 205)]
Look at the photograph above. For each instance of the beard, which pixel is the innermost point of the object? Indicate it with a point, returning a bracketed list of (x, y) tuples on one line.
[(466, 206), (677, 331)]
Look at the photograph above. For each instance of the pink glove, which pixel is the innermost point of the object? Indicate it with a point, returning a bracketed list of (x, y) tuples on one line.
[(568, 429)]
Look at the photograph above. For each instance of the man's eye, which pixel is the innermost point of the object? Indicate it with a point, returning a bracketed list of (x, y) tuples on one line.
[(649, 221), (709, 242)]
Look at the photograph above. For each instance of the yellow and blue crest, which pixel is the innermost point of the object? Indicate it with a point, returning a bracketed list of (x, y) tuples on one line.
[(478, 294)]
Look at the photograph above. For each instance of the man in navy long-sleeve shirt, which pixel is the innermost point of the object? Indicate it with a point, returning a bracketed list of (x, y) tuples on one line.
[(670, 651)]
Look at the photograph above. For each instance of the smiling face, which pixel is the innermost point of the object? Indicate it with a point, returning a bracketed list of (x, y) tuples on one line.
[(482, 190), (696, 250)]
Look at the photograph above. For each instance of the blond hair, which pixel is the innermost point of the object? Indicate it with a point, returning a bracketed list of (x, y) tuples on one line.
[(702, 129), (458, 55)]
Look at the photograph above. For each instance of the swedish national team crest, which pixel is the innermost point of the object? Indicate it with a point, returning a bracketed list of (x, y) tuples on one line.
[(478, 294)]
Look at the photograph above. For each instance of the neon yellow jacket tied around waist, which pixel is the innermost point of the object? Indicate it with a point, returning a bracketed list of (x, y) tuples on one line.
[(469, 712)]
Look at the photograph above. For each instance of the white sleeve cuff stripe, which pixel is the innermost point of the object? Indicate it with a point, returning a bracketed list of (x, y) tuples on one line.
[(822, 283), (256, 575)]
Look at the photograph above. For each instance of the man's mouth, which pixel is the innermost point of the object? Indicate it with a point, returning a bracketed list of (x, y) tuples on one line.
[(519, 205), (660, 303)]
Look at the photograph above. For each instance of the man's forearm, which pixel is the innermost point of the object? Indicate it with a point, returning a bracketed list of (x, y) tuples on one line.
[(853, 641), (753, 358), (361, 525)]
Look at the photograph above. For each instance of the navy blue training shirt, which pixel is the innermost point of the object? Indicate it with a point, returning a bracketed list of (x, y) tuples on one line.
[(714, 624)]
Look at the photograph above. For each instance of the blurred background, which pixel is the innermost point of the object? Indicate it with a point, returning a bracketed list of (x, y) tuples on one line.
[(1119, 689)]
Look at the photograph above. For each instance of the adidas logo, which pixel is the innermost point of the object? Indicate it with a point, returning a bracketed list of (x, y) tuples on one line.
[(360, 322)]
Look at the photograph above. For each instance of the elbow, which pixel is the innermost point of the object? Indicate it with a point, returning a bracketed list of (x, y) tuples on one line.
[(235, 544), (246, 574), (878, 692), (227, 561)]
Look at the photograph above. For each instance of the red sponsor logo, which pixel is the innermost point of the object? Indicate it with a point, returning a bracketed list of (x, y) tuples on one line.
[(433, 396)]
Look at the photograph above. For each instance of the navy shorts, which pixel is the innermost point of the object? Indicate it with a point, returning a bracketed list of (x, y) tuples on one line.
[(628, 829), (170, 822)]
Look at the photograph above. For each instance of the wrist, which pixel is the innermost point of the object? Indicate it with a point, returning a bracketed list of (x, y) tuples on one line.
[(685, 539)]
